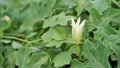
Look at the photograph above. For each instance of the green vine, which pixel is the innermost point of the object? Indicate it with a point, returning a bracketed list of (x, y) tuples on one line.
[(22, 40)]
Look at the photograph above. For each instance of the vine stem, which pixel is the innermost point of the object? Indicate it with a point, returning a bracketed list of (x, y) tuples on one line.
[(15, 38)]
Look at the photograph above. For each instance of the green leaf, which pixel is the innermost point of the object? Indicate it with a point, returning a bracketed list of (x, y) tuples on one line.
[(54, 43), (76, 64), (35, 13), (28, 23), (27, 58), (74, 50), (46, 7), (81, 5), (22, 56), (94, 19), (97, 4), (6, 41), (94, 52), (60, 19), (62, 59), (56, 33), (100, 24), (31, 34), (16, 45), (113, 41), (53, 51), (98, 21), (36, 60)]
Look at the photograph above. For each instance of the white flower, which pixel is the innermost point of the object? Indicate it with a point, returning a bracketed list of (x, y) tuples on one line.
[(77, 30)]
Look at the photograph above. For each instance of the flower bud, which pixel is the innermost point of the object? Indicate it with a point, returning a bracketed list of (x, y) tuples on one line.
[(77, 30), (6, 18)]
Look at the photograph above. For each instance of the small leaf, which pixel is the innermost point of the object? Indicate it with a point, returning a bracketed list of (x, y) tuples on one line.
[(16, 45), (6, 41), (31, 34)]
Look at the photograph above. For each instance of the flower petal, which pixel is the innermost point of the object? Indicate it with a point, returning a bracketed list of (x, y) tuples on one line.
[(78, 21), (73, 22), (82, 24)]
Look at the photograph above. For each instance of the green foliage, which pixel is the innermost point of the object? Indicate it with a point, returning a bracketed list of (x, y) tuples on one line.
[(97, 54), (37, 34), (60, 19), (62, 59), (56, 33)]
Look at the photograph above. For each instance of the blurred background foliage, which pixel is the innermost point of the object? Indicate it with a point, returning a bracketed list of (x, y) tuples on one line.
[(37, 34)]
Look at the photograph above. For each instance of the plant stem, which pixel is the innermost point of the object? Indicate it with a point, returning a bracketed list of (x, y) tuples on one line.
[(10, 37), (78, 49), (34, 41), (26, 41)]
